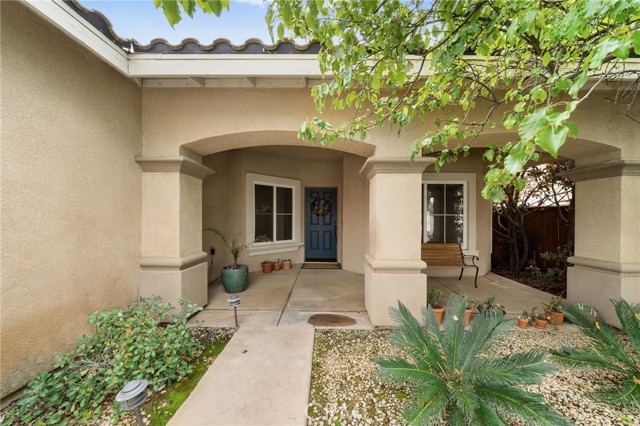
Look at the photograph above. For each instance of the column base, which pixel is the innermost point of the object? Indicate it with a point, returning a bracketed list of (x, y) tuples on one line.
[(387, 282), (596, 282), (173, 279)]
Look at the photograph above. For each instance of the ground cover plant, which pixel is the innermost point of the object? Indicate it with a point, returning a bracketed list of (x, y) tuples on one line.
[(448, 375), (127, 344)]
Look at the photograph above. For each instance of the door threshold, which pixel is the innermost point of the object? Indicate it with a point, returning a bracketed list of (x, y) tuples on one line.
[(321, 265)]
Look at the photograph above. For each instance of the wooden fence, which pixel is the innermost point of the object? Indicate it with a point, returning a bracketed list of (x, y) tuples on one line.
[(546, 231)]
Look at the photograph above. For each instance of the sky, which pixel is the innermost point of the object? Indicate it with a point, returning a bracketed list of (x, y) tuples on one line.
[(140, 20)]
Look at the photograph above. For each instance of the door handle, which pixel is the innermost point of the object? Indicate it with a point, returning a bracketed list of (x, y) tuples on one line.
[(335, 233)]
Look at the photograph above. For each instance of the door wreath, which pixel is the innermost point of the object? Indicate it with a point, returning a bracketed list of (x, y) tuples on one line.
[(320, 207)]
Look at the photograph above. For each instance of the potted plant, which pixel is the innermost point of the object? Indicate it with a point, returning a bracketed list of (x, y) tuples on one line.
[(277, 265), (553, 310), (286, 264), (540, 318), (490, 305), (436, 299), (234, 277), (267, 266), (523, 319), (471, 303)]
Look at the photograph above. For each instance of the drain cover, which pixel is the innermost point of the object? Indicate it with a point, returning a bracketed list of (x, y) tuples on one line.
[(331, 320)]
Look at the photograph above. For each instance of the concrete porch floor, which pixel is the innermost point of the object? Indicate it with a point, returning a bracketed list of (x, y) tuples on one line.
[(290, 297)]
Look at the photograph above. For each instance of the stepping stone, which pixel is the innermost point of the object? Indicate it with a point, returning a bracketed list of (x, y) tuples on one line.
[(262, 377)]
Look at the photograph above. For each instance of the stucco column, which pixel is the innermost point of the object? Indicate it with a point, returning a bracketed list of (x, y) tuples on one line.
[(607, 243), (393, 268), (173, 264)]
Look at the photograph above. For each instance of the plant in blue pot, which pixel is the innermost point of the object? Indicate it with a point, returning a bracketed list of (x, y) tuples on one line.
[(235, 277)]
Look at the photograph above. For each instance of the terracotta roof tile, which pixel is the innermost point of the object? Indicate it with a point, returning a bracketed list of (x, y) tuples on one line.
[(189, 45)]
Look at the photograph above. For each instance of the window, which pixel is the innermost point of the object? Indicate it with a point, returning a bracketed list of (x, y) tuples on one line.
[(448, 212), (274, 223), (444, 216), (272, 212)]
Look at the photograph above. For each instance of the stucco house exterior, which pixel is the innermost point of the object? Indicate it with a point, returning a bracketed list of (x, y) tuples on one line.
[(115, 159)]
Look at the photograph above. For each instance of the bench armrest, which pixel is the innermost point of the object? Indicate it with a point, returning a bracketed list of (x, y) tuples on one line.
[(473, 259)]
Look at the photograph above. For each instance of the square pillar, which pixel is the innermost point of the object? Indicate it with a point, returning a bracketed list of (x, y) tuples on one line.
[(173, 264), (606, 264), (393, 268)]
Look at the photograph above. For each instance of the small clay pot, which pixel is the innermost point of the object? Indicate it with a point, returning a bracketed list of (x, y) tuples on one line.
[(438, 313), (286, 264), (541, 323), (267, 267), (523, 323), (276, 267), (556, 318), (467, 317)]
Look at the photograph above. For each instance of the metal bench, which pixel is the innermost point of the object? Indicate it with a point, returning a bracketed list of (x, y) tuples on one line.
[(439, 255)]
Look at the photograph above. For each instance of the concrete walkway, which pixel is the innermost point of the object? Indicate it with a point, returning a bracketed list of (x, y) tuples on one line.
[(262, 377)]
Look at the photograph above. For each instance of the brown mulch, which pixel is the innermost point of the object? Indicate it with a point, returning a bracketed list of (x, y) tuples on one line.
[(527, 277)]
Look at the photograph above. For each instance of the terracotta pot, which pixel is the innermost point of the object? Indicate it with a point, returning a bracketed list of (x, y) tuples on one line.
[(438, 313), (276, 267), (467, 317), (286, 264), (523, 323), (556, 318), (267, 268), (541, 323)]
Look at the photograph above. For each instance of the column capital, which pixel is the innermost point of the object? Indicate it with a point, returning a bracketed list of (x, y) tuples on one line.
[(179, 164), (603, 170), (375, 165)]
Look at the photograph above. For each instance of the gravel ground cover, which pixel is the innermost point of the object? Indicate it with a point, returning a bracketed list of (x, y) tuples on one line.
[(347, 390)]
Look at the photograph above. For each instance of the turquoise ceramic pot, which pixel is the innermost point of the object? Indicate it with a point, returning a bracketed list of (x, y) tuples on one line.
[(235, 280)]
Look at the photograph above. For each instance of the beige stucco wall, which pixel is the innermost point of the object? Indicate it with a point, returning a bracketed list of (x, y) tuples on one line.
[(71, 201)]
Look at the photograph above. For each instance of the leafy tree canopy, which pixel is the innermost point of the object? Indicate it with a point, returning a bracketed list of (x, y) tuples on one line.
[(462, 65)]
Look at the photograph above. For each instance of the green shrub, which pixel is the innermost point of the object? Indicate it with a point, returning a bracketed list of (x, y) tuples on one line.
[(450, 375), (127, 344), (608, 351)]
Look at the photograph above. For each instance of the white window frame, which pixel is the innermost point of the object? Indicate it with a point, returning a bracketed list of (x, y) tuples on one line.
[(294, 243), (468, 180)]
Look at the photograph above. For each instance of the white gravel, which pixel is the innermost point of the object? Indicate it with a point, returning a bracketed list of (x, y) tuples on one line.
[(346, 388)]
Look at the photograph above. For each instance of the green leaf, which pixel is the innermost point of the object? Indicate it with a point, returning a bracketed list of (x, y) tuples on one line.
[(546, 58), (533, 123), (551, 138), (281, 31)]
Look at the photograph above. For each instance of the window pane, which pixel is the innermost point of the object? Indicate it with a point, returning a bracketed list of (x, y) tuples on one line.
[(284, 200), (264, 211), (455, 228), (435, 199), (455, 199), (264, 199), (284, 227), (264, 226), (435, 229)]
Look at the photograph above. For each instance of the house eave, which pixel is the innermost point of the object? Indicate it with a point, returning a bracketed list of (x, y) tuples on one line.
[(204, 70), (69, 22)]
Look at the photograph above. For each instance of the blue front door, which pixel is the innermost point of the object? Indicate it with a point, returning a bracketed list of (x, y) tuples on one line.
[(321, 222)]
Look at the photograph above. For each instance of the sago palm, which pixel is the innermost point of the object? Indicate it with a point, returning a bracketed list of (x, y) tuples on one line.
[(450, 374), (608, 351)]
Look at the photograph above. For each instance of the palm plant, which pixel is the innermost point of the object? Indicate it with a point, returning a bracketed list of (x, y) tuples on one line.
[(450, 377), (608, 351)]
